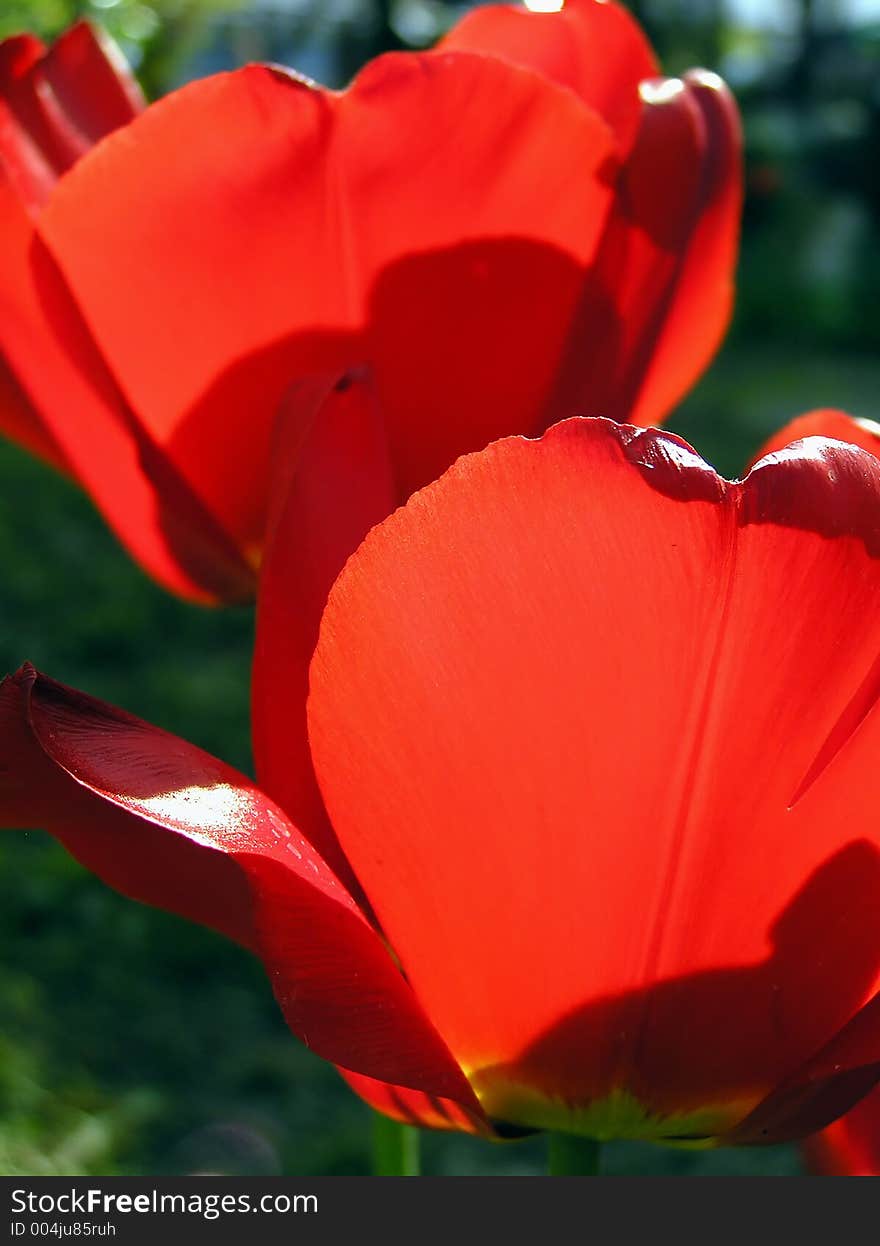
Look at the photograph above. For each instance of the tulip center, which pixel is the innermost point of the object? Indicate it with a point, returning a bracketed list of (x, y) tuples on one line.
[(617, 1116)]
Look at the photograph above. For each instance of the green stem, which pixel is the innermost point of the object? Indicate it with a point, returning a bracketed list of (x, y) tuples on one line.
[(395, 1148), (569, 1156)]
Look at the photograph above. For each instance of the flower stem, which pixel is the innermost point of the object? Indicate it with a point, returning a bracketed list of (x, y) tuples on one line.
[(395, 1148), (569, 1156)]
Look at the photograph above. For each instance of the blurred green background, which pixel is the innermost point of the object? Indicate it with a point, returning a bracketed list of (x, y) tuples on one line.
[(132, 1042)]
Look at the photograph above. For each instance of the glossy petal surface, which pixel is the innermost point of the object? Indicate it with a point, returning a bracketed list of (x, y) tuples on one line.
[(595, 729), (167, 824), (826, 423)]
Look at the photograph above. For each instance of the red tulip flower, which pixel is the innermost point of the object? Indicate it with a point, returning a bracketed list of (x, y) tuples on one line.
[(597, 736), (850, 1146), (522, 224)]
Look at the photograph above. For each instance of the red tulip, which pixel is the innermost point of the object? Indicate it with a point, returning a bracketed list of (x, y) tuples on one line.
[(596, 733), (505, 231)]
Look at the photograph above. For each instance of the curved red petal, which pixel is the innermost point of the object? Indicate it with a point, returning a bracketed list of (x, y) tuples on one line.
[(17, 54), (587, 731), (55, 104), (829, 1083), (433, 280), (826, 422), (699, 301), (84, 416), (851, 1146), (334, 483), (593, 47), (91, 84), (169, 825), (655, 306)]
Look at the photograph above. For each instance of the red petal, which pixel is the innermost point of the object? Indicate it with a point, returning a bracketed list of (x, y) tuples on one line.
[(90, 84), (826, 423), (851, 1146), (659, 298), (699, 302), (259, 194), (334, 484), (85, 417), (55, 105), (17, 54), (592, 46), (829, 1083), (20, 421), (412, 1107), (588, 732), (167, 824), (56, 390)]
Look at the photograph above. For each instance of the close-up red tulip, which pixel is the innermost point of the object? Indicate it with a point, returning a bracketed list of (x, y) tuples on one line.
[(851, 1145), (520, 225), (596, 734)]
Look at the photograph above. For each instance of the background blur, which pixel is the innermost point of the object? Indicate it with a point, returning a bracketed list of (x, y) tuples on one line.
[(132, 1042)]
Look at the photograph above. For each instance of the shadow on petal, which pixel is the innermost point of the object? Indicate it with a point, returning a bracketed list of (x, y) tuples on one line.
[(711, 1045)]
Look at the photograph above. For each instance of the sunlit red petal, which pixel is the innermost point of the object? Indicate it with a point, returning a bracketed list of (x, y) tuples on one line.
[(659, 297), (592, 46), (91, 84), (332, 484), (394, 222), (699, 301), (60, 373), (412, 1107), (594, 727), (826, 423), (167, 824)]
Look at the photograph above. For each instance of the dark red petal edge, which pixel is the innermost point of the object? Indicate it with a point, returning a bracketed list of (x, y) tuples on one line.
[(169, 825)]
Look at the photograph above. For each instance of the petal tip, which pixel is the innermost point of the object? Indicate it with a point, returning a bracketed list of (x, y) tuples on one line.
[(659, 91)]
